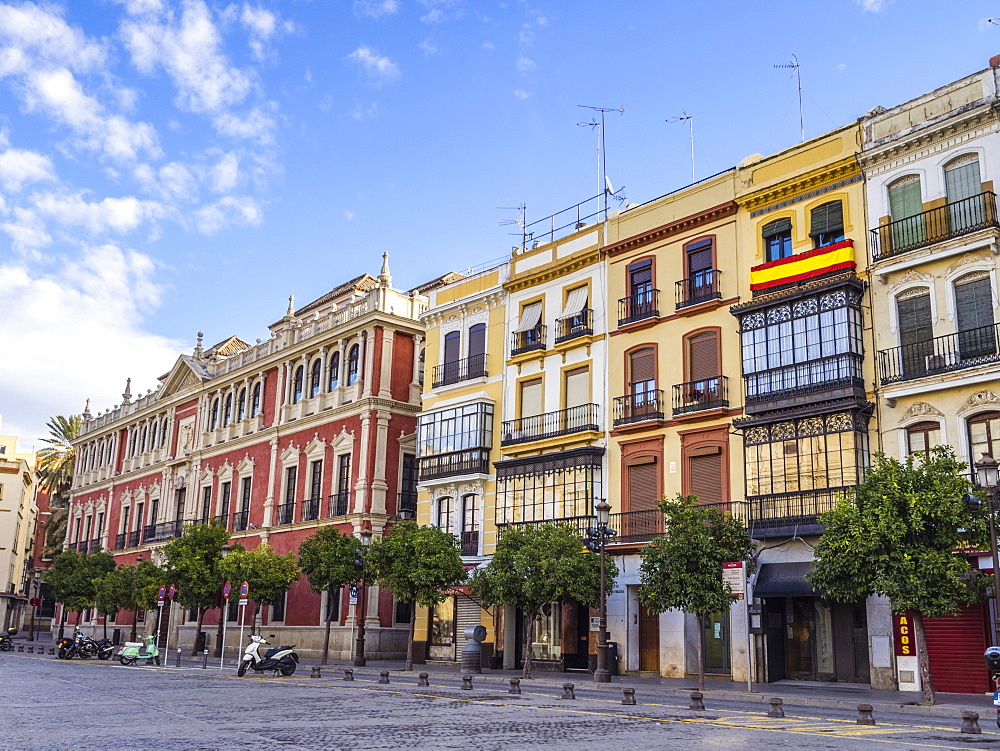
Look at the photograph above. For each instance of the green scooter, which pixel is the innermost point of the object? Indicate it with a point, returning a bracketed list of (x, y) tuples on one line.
[(132, 651)]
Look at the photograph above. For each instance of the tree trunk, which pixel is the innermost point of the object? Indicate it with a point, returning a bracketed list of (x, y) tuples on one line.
[(922, 658), (409, 642), (529, 637), (62, 622), (253, 620), (135, 619), (105, 627), (329, 619), (201, 622), (701, 652)]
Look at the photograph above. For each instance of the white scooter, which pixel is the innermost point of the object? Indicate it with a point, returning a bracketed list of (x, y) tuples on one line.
[(279, 659)]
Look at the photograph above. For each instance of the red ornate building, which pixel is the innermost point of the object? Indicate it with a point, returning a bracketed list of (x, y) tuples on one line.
[(314, 426)]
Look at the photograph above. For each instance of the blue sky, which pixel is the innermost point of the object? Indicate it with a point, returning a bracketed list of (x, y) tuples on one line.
[(173, 166)]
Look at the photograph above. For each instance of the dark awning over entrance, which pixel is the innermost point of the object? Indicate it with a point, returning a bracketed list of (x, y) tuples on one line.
[(784, 580)]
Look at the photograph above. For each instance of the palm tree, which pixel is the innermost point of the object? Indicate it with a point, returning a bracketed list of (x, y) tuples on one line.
[(56, 462)]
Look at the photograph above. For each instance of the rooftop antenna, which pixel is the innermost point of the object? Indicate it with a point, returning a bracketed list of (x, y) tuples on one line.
[(605, 183), (795, 68), (685, 117), (520, 209)]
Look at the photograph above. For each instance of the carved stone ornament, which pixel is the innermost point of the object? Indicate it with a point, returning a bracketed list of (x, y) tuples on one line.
[(445, 491), (920, 409), (475, 488), (979, 400)]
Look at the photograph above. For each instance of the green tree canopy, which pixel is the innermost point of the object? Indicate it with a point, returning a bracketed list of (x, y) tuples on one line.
[(327, 558), (899, 534), (73, 577), (267, 573), (682, 569), (130, 588), (56, 461), (193, 567), (535, 565), (416, 564)]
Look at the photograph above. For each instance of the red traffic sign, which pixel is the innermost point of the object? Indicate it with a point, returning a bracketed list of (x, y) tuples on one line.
[(226, 589), (160, 595), (244, 590), (171, 592)]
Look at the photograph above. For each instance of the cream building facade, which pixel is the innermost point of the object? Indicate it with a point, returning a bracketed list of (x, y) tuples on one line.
[(18, 512)]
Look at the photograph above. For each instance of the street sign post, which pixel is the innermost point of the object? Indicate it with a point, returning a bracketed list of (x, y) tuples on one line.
[(244, 591), (226, 589), (735, 575), (170, 611)]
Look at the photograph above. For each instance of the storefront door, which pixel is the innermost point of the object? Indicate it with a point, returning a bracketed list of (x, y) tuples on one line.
[(649, 639), (716, 640)]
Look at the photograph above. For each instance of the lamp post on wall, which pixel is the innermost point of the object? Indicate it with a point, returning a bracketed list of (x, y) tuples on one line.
[(359, 644), (597, 538), (988, 476)]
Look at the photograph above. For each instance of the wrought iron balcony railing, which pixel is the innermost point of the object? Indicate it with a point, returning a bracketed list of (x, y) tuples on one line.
[(162, 531), (638, 305), (469, 461), (120, 540), (340, 503), (460, 370), (550, 424), (701, 287), (241, 521), (310, 509), (942, 223), (284, 513), (822, 374), (134, 538), (470, 543), (788, 509), (528, 341), (694, 396), (580, 523), (638, 407), (95, 546), (570, 327), (942, 354)]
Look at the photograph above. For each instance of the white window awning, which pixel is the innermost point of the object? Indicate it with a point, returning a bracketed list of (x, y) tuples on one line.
[(576, 301), (531, 315)]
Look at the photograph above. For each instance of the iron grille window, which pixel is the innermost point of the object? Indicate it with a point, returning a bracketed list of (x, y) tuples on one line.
[(226, 490), (457, 429), (278, 607), (408, 485), (206, 502), (315, 478), (546, 488), (290, 478), (245, 493)]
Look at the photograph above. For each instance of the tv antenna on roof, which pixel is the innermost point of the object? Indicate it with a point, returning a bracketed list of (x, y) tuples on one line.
[(602, 163), (685, 117), (795, 68), (520, 222)]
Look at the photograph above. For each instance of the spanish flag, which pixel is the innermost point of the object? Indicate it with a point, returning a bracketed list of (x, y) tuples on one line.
[(803, 266)]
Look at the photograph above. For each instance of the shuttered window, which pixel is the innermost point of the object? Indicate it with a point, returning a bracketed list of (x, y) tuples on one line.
[(703, 356), (777, 227), (777, 237), (699, 257), (705, 477), (826, 224), (640, 277), (904, 198), (577, 387), (531, 397), (962, 180), (974, 303), (643, 366), (642, 487), (915, 322), (452, 347), (477, 340)]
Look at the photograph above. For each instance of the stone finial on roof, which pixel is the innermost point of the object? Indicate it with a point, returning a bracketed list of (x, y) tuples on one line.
[(127, 396), (291, 306), (86, 410), (197, 348), (383, 277)]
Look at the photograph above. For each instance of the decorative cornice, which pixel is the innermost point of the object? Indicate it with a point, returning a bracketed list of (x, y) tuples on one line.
[(802, 187), (548, 273), (688, 223)]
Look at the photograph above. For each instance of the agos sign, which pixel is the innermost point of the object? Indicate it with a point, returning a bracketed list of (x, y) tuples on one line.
[(905, 645)]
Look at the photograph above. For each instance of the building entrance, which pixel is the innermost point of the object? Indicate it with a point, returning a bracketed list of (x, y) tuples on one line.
[(810, 639)]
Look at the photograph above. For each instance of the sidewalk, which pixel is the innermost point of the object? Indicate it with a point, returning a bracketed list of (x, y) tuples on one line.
[(802, 694)]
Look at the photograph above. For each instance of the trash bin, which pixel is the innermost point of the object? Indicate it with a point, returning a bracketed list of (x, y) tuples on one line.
[(613, 657), (201, 643), (116, 637)]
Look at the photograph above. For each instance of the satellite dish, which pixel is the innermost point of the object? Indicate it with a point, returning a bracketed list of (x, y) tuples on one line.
[(610, 187)]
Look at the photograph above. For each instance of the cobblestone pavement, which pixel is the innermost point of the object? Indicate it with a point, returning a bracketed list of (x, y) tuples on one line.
[(52, 704)]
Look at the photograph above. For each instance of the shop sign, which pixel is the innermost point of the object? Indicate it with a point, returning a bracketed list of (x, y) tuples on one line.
[(732, 574), (903, 629)]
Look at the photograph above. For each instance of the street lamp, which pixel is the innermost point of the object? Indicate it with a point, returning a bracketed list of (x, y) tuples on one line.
[(597, 538), (359, 644), (988, 476)]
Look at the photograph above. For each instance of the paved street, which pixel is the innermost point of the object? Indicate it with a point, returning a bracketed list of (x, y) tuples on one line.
[(51, 704)]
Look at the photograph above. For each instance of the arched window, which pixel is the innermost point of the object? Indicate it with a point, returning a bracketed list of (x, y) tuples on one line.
[(974, 311), (214, 419), (352, 364), (241, 404), (922, 437), (317, 371), (143, 441), (826, 224), (445, 514), (777, 237), (227, 412), (334, 371), (163, 432), (255, 400), (964, 187), (477, 351), (420, 367), (297, 384), (905, 207), (152, 434), (984, 435)]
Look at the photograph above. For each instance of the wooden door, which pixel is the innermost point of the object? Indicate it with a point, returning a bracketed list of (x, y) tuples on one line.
[(649, 639)]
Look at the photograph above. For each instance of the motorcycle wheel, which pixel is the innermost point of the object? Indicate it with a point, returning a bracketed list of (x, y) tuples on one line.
[(288, 669), (6, 646), (242, 669), (157, 659), (126, 661), (61, 655), (104, 656)]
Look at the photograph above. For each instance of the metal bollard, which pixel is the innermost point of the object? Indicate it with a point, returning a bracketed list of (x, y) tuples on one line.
[(776, 709), (316, 673), (628, 696), (383, 676), (20, 647), (515, 686), (970, 723), (348, 675), (204, 660), (423, 680), (177, 658), (696, 701), (52, 650), (568, 692), (466, 682), (865, 714), (31, 649)]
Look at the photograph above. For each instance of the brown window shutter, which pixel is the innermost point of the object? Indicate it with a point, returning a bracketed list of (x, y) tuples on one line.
[(642, 487), (705, 477), (643, 366), (703, 356), (699, 260)]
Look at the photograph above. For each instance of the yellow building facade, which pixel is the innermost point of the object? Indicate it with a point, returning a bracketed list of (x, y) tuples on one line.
[(18, 512)]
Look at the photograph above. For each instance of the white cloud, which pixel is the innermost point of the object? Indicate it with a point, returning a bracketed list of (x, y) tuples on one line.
[(349, 215), (88, 312), (262, 25), (442, 11), (488, 46), (436, 15), (873, 6), (27, 231), (365, 112), (375, 8), (226, 173), (226, 212), (378, 68), (19, 168), (29, 31), (524, 65), (840, 66), (428, 47), (521, 94), (109, 215), (255, 125)]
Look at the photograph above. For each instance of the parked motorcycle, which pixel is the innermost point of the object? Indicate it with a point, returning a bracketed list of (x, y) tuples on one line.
[(279, 659), (105, 649), (66, 648), (133, 651), (6, 642)]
